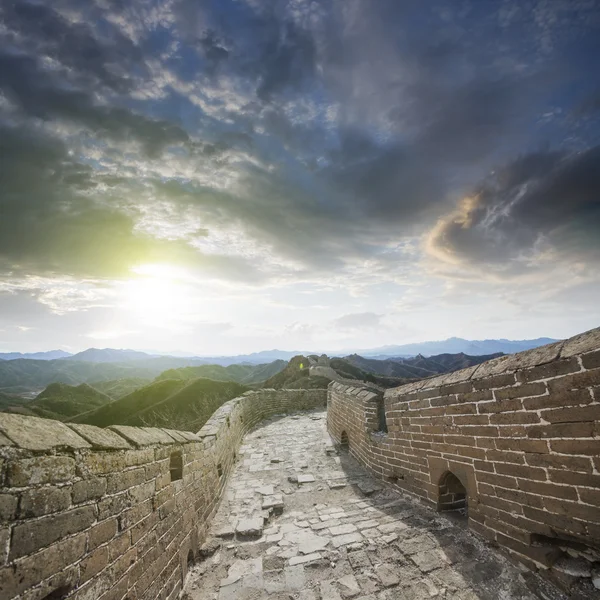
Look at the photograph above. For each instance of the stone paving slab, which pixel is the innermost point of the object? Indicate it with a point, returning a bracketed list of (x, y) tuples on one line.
[(286, 533)]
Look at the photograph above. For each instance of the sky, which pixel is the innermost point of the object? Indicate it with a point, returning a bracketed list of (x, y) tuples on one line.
[(227, 176)]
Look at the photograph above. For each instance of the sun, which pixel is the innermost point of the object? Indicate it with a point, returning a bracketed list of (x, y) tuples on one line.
[(157, 292)]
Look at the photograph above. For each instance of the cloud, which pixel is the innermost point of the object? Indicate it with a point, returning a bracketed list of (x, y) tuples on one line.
[(291, 141), (354, 321), (542, 205)]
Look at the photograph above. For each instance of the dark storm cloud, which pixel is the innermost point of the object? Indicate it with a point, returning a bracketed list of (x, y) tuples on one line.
[(543, 198), (37, 94), (321, 131), (111, 61)]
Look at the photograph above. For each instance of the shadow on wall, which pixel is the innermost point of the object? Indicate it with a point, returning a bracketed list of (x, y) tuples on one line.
[(472, 566)]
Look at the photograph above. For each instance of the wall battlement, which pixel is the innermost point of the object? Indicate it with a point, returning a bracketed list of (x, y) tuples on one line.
[(515, 442), (116, 513)]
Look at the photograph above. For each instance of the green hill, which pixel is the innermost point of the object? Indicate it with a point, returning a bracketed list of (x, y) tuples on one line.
[(296, 376), (60, 401), (243, 373), (117, 388), (174, 403), (26, 375), (6, 400)]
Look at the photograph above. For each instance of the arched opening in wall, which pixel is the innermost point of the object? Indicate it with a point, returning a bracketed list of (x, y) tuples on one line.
[(344, 441), (58, 594), (381, 420), (190, 559), (452, 495), (228, 422), (220, 470), (176, 465)]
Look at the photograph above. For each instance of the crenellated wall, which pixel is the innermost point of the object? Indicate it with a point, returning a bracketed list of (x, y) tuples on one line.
[(515, 441), (116, 513)]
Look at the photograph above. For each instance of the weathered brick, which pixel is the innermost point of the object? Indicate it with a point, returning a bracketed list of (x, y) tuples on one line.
[(557, 521), (117, 482), (523, 471), (495, 479), (4, 537), (558, 399), (40, 470), (29, 571), (119, 545), (575, 381), (500, 456), (139, 457), (533, 446), (94, 563), (553, 369), (456, 388), (560, 461), (509, 405), (583, 447), (131, 516), (591, 360), (590, 496), (481, 431), (88, 489), (496, 381), (99, 463), (573, 478), (102, 532), (113, 505), (544, 488), (43, 501), (572, 414), (561, 430), (573, 510), (514, 418), (521, 391), (519, 497), (33, 535), (8, 507), (471, 419)]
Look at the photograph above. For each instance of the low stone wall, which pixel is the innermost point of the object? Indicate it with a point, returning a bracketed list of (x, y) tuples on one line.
[(116, 513), (520, 436)]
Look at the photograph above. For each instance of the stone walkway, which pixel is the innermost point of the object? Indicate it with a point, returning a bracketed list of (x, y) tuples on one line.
[(299, 521)]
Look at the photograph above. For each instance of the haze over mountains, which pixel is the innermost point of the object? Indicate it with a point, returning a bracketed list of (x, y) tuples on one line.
[(452, 345), (112, 386)]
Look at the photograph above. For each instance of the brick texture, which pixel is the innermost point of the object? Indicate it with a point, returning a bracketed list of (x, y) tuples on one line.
[(521, 433), (103, 518)]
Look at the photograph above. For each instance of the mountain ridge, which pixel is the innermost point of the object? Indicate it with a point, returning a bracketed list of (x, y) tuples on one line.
[(452, 345), (48, 355)]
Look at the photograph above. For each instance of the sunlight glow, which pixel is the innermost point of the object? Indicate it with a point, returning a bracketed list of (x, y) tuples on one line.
[(157, 294)]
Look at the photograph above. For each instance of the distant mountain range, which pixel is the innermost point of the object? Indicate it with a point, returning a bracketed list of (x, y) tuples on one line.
[(409, 368), (456, 345), (108, 355), (184, 394), (153, 361), (50, 355)]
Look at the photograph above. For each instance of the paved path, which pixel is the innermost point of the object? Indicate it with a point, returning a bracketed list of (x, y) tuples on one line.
[(300, 522)]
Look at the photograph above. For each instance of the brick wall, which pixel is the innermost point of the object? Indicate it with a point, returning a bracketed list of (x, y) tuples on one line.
[(117, 513), (521, 433)]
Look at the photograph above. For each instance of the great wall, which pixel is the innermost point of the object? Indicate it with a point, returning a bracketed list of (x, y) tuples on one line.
[(124, 513)]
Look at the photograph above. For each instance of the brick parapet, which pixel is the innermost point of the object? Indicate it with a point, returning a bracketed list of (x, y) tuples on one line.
[(115, 513), (521, 432)]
